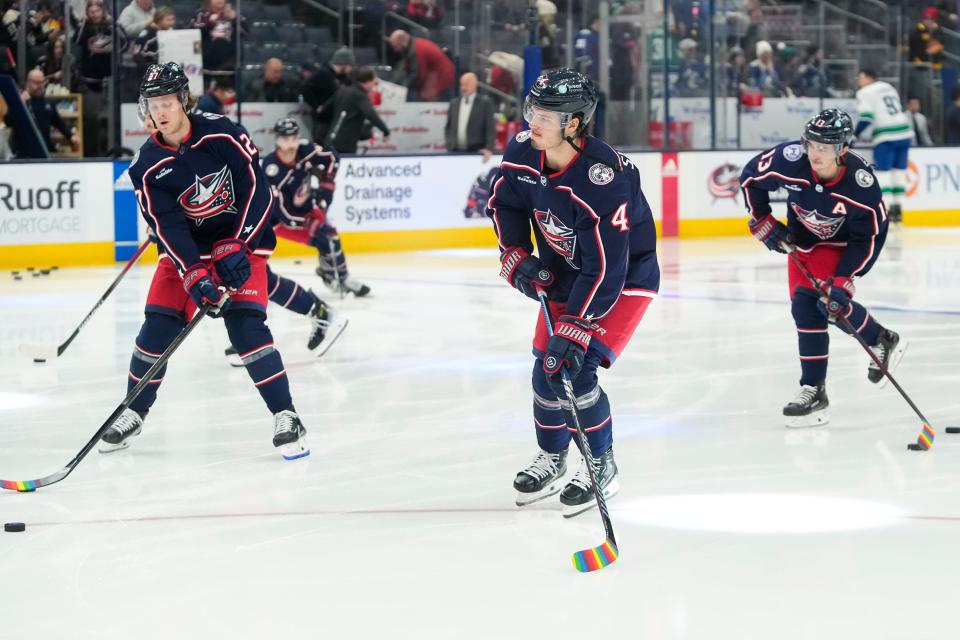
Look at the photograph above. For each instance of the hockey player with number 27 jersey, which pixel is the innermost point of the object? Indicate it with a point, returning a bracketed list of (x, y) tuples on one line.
[(836, 225), (596, 259)]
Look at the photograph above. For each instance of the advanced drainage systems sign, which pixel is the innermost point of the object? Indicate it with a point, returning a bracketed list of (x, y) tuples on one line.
[(43, 206)]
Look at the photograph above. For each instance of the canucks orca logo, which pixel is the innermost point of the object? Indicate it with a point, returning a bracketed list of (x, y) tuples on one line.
[(819, 225), (209, 196), (559, 236)]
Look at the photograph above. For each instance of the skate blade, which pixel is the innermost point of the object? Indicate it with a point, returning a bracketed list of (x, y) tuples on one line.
[(816, 419), (524, 499), (895, 359), (106, 447), (331, 337), (294, 450), (571, 510)]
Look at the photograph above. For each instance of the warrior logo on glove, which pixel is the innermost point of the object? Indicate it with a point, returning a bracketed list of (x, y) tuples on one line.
[(209, 196), (559, 236)]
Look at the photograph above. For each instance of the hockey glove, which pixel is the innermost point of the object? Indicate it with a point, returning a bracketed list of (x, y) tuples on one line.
[(772, 233), (838, 291), (231, 259), (316, 226), (197, 283), (567, 347), (524, 272)]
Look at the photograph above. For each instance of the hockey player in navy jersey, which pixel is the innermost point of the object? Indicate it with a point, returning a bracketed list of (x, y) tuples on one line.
[(199, 185), (837, 224), (596, 259), (301, 212)]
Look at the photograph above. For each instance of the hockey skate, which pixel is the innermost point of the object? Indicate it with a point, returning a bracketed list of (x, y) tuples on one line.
[(233, 357), (889, 350), (578, 496), (542, 477), (289, 435), (895, 213), (808, 408), (327, 326), (117, 437)]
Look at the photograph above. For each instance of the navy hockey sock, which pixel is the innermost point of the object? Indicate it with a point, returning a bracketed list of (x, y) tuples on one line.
[(288, 294), (862, 322), (253, 341), (812, 337), (548, 418), (156, 334), (591, 400)]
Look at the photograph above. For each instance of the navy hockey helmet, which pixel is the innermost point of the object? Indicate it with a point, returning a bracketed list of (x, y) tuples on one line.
[(830, 126), (565, 91), (286, 127), (162, 80)]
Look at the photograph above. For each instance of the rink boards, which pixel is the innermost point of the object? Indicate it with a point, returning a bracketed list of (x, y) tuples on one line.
[(84, 213)]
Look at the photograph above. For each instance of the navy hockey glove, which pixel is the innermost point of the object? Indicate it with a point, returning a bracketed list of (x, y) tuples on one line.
[(567, 347), (839, 291), (231, 259), (197, 283), (524, 272), (772, 233)]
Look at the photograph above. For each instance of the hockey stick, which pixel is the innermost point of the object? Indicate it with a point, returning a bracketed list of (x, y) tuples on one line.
[(596, 557), (927, 433), (32, 485), (42, 353), (336, 267)]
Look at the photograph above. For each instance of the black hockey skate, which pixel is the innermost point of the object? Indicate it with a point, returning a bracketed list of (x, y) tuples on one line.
[(126, 426), (808, 408), (895, 213), (542, 477), (289, 435), (233, 357), (578, 496), (327, 325), (889, 350)]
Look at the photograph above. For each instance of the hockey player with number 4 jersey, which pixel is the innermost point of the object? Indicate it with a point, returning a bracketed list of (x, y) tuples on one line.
[(199, 185), (596, 259), (836, 225)]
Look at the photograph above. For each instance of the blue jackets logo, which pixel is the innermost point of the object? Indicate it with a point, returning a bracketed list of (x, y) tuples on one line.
[(819, 225), (559, 236), (209, 196)]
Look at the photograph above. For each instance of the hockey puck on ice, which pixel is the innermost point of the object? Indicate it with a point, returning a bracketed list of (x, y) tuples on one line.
[(14, 527), (45, 272), (952, 429), (18, 277), (36, 274), (39, 360), (914, 447)]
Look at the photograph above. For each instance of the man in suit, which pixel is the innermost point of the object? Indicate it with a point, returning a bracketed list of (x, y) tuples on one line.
[(470, 120)]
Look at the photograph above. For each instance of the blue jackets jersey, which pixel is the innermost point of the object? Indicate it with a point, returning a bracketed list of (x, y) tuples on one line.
[(593, 227), (294, 192), (847, 212), (211, 188)]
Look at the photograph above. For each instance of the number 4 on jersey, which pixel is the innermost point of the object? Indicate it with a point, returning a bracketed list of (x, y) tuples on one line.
[(620, 220)]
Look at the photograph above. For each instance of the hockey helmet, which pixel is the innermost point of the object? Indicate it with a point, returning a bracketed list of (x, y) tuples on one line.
[(830, 126), (286, 127), (162, 80), (564, 91)]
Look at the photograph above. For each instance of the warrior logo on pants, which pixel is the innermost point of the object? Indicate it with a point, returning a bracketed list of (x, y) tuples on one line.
[(209, 196), (559, 236)]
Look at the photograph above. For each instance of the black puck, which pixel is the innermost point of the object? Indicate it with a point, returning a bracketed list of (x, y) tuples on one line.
[(18, 277), (298, 262), (39, 360), (36, 274), (952, 429), (54, 268), (14, 527), (45, 272), (915, 447), (29, 268)]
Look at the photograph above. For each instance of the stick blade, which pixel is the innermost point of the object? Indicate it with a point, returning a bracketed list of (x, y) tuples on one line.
[(26, 486), (924, 440), (596, 558), (39, 352)]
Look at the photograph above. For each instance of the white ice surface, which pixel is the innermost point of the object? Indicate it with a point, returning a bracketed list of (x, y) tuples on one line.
[(401, 523)]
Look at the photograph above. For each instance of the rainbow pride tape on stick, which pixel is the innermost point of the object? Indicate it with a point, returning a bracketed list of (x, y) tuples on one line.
[(597, 558), (19, 485), (926, 436)]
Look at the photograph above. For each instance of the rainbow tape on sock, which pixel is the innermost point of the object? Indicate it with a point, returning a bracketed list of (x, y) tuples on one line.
[(597, 558)]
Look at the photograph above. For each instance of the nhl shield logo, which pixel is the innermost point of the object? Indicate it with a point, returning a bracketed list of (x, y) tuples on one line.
[(209, 196), (819, 225), (559, 236), (600, 174)]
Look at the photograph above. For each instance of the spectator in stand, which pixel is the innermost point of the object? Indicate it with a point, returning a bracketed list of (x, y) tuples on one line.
[(736, 72), (8, 38), (428, 71), (136, 16), (425, 12), (921, 130), (323, 83), (5, 152), (547, 34), (217, 21), (51, 62), (271, 87), (95, 40), (350, 109), (221, 94), (764, 74), (953, 119), (587, 50), (811, 82), (918, 44), (691, 79), (44, 112), (145, 48), (470, 120), (506, 72)]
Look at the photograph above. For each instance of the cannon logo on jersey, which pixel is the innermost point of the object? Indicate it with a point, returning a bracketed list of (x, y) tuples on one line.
[(559, 236), (819, 225), (209, 196), (724, 181)]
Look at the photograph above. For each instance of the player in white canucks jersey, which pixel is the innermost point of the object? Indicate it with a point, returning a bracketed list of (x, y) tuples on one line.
[(883, 121), (596, 259)]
